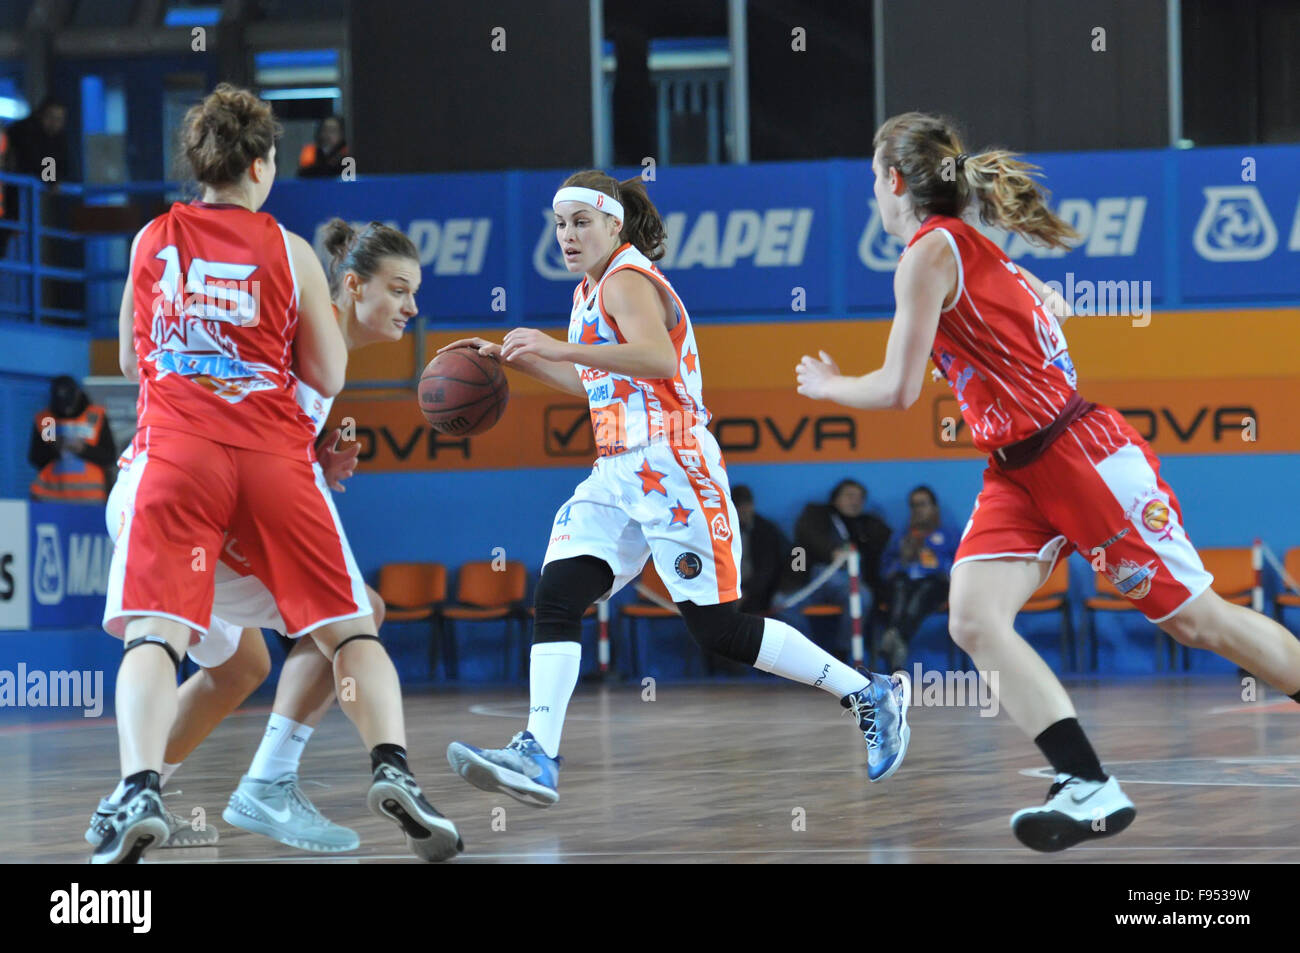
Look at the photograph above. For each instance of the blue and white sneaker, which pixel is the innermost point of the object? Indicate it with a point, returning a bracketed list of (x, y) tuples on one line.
[(1075, 810), (881, 711), (521, 769)]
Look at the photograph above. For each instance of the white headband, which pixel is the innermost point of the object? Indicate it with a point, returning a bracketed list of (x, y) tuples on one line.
[(597, 200)]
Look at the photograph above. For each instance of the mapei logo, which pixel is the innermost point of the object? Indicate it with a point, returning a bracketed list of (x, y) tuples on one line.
[(721, 531), (85, 573), (1109, 227), (452, 246), (47, 573), (1234, 225), (763, 238), (877, 249)]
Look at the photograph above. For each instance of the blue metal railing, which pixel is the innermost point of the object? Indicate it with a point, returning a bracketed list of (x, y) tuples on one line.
[(27, 272)]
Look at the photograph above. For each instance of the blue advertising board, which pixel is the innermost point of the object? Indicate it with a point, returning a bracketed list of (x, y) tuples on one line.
[(69, 557), (803, 240)]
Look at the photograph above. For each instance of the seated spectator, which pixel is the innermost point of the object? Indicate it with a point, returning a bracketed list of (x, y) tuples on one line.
[(826, 530), (916, 572), (324, 157), (72, 447), (765, 555)]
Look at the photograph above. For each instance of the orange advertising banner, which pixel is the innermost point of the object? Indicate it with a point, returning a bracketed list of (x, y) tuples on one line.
[(1243, 416)]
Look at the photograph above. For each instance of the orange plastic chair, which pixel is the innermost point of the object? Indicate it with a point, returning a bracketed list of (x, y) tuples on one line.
[(412, 591), (1054, 596), (1234, 575), (645, 609), (484, 594)]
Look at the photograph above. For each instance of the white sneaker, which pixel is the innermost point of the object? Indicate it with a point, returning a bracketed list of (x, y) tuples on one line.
[(1075, 810)]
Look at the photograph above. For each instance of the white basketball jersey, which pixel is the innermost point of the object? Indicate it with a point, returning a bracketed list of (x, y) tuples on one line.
[(628, 412)]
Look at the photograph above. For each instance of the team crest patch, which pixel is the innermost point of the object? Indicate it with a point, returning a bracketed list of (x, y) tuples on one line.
[(1155, 516), (1130, 579), (721, 530), (688, 565)]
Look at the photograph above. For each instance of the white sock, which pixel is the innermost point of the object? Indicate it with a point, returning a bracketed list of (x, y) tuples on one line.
[(281, 748), (168, 770), (787, 652), (119, 792), (552, 676)]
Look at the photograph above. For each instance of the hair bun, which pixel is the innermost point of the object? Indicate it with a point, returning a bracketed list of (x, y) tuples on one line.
[(339, 239)]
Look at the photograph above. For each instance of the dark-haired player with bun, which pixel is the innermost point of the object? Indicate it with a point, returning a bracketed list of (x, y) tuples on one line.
[(373, 277), (1063, 473), (659, 489), (226, 313)]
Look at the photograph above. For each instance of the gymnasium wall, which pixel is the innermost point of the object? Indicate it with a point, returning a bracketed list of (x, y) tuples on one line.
[(1185, 283)]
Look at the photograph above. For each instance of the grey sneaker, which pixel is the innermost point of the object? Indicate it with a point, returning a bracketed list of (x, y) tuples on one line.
[(182, 833), (279, 810), (881, 713), (138, 824)]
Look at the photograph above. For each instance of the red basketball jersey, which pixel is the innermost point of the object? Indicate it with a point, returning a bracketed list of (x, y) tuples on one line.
[(216, 312), (1002, 352)]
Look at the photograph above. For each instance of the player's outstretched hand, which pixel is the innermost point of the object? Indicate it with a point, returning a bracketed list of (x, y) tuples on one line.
[(337, 465), (483, 345), (522, 342), (815, 375)]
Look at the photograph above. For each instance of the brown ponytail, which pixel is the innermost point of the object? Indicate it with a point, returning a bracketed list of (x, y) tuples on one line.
[(222, 135), (642, 226), (943, 180), (361, 252)]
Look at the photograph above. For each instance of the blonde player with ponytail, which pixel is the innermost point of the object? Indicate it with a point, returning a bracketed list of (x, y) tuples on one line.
[(1063, 473)]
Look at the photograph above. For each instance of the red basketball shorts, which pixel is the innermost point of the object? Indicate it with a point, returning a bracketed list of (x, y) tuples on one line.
[(1097, 489), (190, 498)]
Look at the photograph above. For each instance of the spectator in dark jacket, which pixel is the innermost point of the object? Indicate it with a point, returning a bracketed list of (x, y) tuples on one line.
[(826, 530), (324, 157), (765, 555), (917, 566)]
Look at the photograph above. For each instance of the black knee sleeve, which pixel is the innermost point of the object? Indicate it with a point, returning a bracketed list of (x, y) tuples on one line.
[(725, 630), (154, 640), (567, 588), (353, 638)]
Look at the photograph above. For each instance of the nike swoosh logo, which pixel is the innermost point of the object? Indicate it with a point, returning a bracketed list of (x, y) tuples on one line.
[(278, 816), (1080, 800)]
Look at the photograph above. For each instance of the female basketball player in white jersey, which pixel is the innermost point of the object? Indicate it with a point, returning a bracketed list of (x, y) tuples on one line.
[(1063, 474), (224, 308), (659, 489), (373, 279)]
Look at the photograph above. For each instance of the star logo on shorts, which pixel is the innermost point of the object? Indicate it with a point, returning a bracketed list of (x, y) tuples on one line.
[(591, 333), (680, 514), (651, 479), (689, 359)]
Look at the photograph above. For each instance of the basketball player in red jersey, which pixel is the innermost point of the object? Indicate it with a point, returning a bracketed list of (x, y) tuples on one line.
[(1063, 474), (658, 490), (373, 276), (226, 308)]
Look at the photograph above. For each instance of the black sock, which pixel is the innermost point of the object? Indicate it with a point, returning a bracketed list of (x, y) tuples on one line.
[(1068, 750), (394, 755), (1296, 697), (137, 782)]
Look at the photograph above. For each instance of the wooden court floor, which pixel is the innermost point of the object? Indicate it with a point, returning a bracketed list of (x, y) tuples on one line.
[(748, 772)]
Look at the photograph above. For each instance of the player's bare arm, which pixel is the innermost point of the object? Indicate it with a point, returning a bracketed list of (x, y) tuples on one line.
[(1053, 301), (634, 302), (561, 375), (125, 335), (926, 278), (320, 353)]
